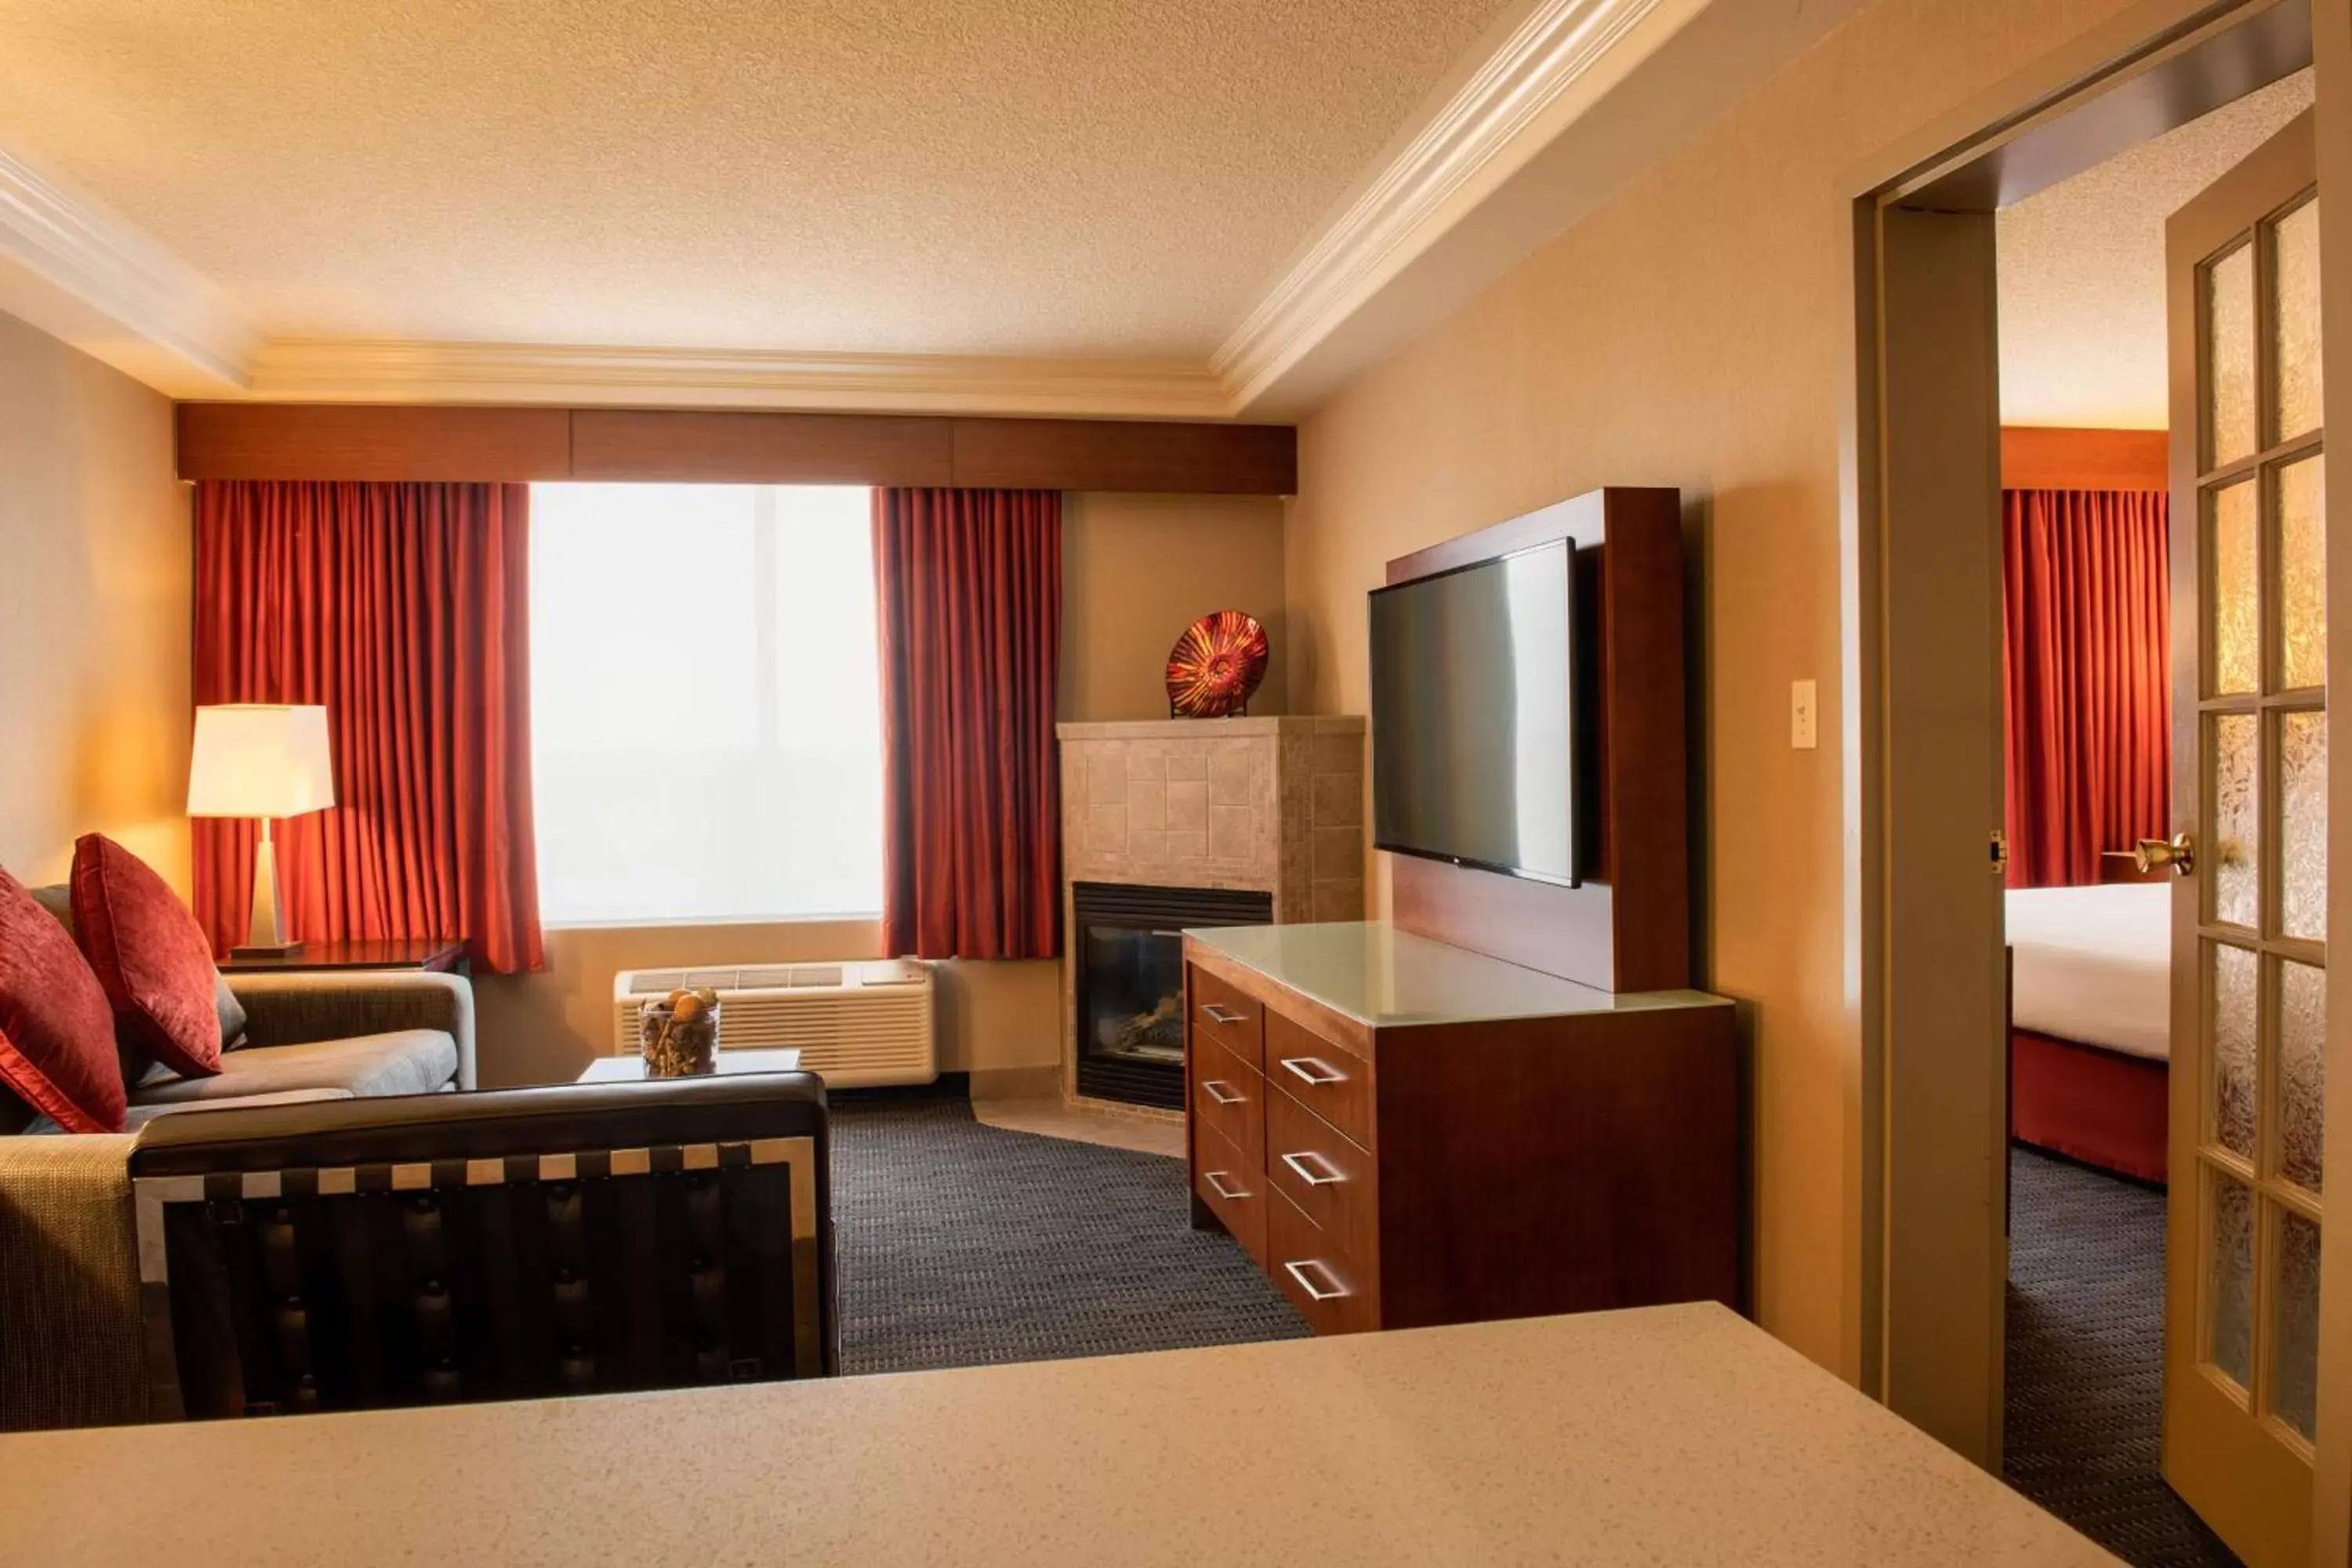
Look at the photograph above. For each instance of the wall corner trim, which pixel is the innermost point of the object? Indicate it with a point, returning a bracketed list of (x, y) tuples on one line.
[(124, 282), (1492, 121)]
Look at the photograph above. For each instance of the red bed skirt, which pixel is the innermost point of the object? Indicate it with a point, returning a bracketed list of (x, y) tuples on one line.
[(2101, 1107)]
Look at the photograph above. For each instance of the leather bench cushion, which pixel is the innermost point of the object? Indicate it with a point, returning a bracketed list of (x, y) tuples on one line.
[(495, 1125), (406, 1061)]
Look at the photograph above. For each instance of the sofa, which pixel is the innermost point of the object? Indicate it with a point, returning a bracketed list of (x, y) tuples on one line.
[(70, 1299)]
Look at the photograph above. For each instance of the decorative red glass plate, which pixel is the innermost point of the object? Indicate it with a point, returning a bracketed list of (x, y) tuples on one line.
[(1216, 664)]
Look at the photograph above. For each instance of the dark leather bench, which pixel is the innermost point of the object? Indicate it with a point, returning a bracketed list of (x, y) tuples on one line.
[(513, 1244)]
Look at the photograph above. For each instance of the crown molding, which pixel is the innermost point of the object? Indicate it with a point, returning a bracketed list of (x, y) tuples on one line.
[(338, 370), (1544, 73), (74, 267), (82, 273)]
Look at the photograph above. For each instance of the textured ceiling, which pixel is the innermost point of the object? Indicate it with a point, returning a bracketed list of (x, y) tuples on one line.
[(2081, 270), (1117, 178)]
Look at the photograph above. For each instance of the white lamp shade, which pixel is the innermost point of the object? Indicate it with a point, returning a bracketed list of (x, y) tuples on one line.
[(258, 759)]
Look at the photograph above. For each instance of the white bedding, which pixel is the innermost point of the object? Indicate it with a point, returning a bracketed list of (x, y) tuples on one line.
[(2094, 964)]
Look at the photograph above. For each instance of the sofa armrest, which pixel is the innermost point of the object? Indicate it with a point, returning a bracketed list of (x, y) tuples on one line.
[(519, 1242), (307, 1005), (69, 1322)]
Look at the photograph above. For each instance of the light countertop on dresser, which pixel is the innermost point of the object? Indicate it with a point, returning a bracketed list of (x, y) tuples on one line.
[(1385, 978), (1669, 1435)]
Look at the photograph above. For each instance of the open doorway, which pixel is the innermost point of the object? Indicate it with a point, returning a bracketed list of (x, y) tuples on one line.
[(2255, 1354), (2086, 666)]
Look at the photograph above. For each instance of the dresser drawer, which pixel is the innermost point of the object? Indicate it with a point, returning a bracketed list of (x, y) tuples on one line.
[(1233, 1187), (1327, 1081), (1331, 1291), (1327, 1177), (1229, 1098), (1221, 1013)]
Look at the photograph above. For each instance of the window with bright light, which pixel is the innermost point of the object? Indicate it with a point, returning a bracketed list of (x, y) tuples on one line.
[(706, 724)]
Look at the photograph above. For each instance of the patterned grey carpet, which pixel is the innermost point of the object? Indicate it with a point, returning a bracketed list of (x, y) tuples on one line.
[(962, 1244), (959, 1243), (2087, 1361)]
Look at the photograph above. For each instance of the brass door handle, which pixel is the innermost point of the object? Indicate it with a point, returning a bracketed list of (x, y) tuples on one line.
[(2178, 853)]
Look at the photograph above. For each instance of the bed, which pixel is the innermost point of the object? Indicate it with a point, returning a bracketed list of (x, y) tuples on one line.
[(2091, 1023)]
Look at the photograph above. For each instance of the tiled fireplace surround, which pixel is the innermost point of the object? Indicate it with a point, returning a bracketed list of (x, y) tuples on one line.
[(1271, 805)]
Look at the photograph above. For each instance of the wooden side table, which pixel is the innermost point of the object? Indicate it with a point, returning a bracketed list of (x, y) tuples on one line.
[(445, 955)]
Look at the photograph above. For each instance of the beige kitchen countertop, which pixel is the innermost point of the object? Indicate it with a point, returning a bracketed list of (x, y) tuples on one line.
[(1671, 1434)]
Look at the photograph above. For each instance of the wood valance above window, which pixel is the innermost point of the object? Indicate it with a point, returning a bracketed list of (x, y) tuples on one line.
[(425, 442), (2035, 457)]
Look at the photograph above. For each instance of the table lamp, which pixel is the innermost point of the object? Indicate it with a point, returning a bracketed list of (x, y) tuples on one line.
[(267, 760)]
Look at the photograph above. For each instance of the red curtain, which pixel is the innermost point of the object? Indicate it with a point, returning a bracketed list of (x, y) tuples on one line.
[(968, 585), (404, 609), (2087, 654)]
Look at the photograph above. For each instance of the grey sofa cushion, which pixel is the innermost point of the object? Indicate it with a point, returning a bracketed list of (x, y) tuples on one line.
[(406, 1061), (141, 1115)]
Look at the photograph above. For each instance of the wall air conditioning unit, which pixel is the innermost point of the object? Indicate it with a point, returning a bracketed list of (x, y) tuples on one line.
[(865, 1021)]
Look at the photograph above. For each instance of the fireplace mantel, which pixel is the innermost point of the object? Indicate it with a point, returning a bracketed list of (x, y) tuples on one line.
[(1266, 804), (1274, 804)]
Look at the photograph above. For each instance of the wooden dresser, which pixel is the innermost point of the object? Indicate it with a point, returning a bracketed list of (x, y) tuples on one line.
[(1403, 1133)]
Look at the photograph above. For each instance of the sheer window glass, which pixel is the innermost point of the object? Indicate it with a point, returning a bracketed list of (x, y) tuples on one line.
[(706, 722)]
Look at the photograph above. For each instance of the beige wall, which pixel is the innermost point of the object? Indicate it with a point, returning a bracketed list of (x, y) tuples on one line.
[(94, 572), (1688, 334), (542, 1028), (1136, 570)]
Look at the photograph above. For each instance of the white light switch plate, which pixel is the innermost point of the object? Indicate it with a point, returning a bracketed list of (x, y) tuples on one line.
[(1804, 716)]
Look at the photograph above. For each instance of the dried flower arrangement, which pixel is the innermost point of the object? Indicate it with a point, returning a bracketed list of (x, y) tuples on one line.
[(680, 1035)]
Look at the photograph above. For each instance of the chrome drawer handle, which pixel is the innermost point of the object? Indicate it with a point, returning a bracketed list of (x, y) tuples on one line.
[(1313, 1177), (1223, 1018), (1222, 1092), (1298, 1272), (1216, 1180), (1314, 1070)]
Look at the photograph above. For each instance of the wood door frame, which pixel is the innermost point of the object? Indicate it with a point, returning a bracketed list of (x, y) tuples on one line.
[(2157, 64)]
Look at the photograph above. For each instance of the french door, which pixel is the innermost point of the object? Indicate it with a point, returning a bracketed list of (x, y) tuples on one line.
[(2243, 1374)]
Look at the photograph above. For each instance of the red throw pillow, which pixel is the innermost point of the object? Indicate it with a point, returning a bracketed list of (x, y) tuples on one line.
[(148, 954), (57, 1032)]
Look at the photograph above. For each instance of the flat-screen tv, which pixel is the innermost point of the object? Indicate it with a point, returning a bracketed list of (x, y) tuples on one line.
[(1473, 715)]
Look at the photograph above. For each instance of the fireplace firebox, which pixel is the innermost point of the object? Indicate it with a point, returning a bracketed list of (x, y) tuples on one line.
[(1129, 944)]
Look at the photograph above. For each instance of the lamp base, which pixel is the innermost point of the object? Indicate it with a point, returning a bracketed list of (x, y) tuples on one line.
[(266, 950)]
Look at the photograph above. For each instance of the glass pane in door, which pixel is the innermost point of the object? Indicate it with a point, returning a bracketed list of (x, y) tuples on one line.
[(2230, 357), (2303, 574), (2236, 549), (2295, 1326), (2236, 1083), (2302, 1071), (2294, 323), (2302, 825), (2230, 1280), (2237, 819)]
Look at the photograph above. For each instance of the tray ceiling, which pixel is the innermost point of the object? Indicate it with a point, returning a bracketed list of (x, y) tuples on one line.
[(996, 178)]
